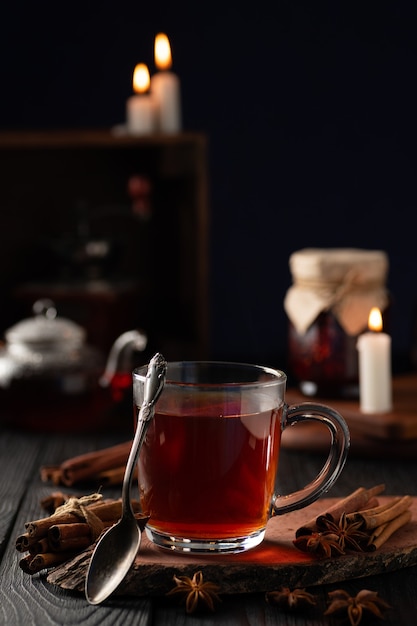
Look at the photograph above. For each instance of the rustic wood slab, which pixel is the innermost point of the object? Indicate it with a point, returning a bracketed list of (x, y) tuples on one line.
[(399, 425), (312, 437), (274, 563)]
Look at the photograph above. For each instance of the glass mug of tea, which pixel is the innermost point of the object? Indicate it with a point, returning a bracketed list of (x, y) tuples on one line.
[(208, 465)]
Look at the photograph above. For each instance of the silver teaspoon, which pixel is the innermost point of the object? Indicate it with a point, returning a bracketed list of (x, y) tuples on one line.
[(117, 548)]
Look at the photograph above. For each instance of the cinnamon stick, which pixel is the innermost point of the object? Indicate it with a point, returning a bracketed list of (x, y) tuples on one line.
[(39, 528), (59, 532), (65, 537), (48, 559), (355, 501), (372, 502), (72, 536), (51, 474), (373, 518), (25, 562), (23, 542), (70, 530), (105, 511), (40, 546), (386, 530), (72, 544), (114, 476), (112, 510), (33, 564), (54, 500), (87, 466), (367, 528)]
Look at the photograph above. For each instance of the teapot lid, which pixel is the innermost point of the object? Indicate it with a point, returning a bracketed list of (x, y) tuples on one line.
[(45, 327)]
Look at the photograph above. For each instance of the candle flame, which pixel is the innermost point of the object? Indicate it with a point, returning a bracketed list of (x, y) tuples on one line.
[(163, 58), (375, 319), (141, 78)]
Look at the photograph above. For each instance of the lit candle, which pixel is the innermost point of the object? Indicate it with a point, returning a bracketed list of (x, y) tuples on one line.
[(375, 385), (140, 108), (165, 87)]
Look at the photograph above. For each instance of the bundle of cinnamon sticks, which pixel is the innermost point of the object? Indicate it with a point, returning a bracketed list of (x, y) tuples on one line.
[(356, 523), (71, 528), (102, 467)]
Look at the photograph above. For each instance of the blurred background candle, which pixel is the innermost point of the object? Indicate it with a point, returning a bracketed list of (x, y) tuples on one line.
[(165, 88), (375, 384), (140, 108)]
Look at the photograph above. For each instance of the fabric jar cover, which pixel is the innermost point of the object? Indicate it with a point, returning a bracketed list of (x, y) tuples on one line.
[(346, 281)]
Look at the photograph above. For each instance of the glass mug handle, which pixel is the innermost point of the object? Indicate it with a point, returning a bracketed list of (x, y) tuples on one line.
[(339, 447)]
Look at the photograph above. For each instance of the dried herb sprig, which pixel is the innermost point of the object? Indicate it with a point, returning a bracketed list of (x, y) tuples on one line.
[(195, 591), (354, 607)]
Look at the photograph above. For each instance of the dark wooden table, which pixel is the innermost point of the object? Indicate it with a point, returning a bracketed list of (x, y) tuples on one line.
[(30, 600)]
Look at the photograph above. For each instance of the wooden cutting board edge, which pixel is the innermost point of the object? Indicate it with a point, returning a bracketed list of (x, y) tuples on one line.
[(400, 423), (275, 563)]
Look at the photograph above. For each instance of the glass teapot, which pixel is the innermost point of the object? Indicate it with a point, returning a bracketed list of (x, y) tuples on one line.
[(52, 379)]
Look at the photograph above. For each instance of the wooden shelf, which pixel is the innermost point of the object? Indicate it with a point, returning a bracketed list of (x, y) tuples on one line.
[(61, 182), (94, 137)]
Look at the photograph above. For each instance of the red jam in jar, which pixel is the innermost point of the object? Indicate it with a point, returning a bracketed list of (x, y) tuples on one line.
[(328, 306), (324, 359)]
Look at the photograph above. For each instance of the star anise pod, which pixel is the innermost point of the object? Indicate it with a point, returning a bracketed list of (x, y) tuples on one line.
[(290, 599), (321, 543), (196, 591), (348, 533), (355, 606)]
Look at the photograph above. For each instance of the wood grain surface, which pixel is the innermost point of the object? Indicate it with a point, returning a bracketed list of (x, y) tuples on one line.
[(32, 601)]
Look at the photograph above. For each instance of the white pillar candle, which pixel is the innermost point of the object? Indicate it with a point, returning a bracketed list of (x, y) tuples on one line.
[(375, 384), (165, 88), (140, 108)]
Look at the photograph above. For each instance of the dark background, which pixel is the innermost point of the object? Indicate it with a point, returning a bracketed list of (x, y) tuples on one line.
[(310, 113)]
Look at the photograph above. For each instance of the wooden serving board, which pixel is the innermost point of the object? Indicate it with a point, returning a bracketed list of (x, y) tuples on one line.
[(276, 562), (388, 435), (400, 424), (311, 437)]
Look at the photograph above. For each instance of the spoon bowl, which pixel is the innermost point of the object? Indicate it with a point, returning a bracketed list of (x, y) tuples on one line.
[(121, 543), (116, 550)]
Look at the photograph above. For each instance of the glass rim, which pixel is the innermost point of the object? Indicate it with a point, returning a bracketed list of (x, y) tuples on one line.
[(276, 376)]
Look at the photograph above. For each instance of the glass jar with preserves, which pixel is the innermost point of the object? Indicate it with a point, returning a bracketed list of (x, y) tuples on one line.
[(328, 306)]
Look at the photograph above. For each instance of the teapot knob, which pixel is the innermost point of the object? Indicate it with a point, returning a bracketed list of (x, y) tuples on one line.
[(45, 307)]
